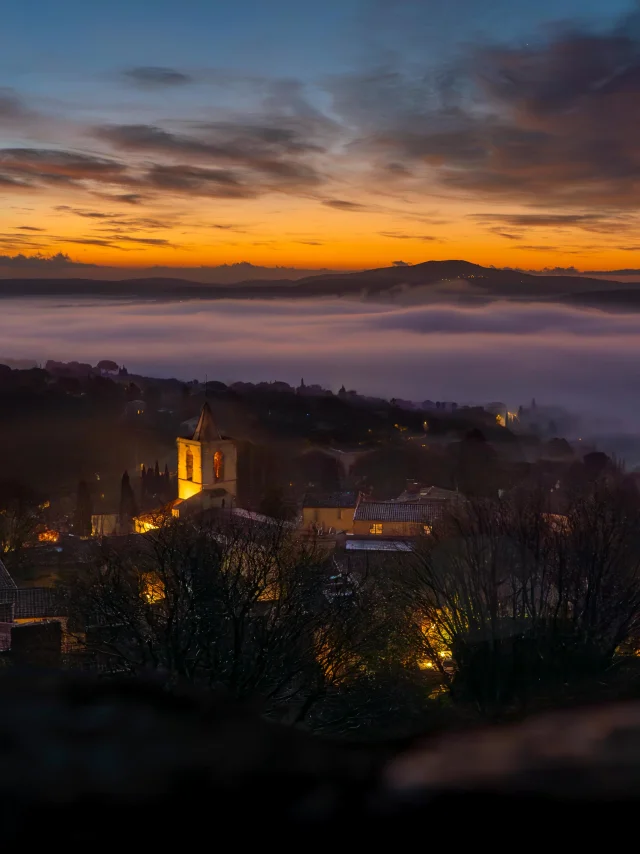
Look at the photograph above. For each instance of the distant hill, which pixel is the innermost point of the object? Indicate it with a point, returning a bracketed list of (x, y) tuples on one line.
[(432, 280)]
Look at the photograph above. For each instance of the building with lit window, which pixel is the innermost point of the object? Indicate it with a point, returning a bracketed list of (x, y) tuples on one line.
[(395, 518), (329, 512)]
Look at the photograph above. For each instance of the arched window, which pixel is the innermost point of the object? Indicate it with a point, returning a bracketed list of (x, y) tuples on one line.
[(218, 466), (189, 464)]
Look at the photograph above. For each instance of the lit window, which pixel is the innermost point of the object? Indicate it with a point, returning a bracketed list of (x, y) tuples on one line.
[(376, 528), (218, 466), (189, 464)]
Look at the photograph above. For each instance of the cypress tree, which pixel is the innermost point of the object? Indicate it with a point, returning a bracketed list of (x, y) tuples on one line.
[(128, 508), (82, 518)]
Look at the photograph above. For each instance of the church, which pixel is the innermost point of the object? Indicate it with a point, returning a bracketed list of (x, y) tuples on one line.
[(207, 469)]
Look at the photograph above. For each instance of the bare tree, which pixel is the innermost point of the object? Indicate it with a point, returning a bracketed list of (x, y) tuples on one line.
[(243, 607), (506, 598), (19, 517)]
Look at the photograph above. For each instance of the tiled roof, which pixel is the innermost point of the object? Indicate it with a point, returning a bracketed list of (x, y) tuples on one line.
[(6, 582), (32, 602), (429, 493), (330, 499), (398, 511)]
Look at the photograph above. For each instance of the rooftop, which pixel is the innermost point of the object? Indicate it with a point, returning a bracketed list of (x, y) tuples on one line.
[(429, 493), (206, 430), (378, 545), (330, 499), (32, 602), (398, 511), (6, 581)]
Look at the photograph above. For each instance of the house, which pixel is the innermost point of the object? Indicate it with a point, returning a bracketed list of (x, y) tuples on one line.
[(396, 518), (25, 605), (329, 511)]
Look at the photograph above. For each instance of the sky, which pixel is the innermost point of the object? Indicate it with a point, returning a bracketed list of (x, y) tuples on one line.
[(343, 134)]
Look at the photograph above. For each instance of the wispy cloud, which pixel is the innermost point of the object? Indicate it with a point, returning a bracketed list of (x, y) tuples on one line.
[(156, 77)]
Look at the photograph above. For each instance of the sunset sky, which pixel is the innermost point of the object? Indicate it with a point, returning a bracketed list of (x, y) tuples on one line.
[(341, 134)]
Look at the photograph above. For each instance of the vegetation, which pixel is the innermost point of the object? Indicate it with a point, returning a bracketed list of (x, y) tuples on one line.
[(503, 608)]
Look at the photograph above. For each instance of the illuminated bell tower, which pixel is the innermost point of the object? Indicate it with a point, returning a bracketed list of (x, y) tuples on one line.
[(208, 462)]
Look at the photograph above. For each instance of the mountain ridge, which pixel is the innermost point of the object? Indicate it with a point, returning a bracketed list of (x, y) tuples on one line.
[(457, 279)]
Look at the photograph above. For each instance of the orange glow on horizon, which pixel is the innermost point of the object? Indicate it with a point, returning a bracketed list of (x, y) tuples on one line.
[(298, 233)]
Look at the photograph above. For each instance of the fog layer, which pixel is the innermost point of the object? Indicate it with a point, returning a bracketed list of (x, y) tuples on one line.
[(585, 360)]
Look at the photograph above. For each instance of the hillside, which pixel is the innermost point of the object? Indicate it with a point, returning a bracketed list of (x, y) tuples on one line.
[(431, 280)]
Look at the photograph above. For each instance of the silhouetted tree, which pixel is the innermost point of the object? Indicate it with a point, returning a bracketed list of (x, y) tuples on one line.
[(128, 507), (19, 518), (107, 365), (273, 504), (227, 605), (527, 605), (82, 520)]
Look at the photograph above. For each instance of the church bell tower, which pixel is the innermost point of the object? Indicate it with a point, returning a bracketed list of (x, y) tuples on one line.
[(207, 464)]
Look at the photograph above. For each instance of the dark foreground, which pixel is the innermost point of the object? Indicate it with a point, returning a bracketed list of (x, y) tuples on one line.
[(109, 764)]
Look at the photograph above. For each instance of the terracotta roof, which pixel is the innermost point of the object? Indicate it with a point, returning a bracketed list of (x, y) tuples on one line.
[(330, 499), (398, 511), (206, 430), (32, 602)]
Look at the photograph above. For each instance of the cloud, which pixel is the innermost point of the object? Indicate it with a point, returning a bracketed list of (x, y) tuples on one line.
[(217, 183), (400, 264), (343, 205), (30, 167), (276, 155), (550, 120), (60, 260), (506, 234), (400, 236), (144, 241), (593, 222), (93, 241), (532, 247), (505, 319), (12, 108), (128, 198), (62, 265), (27, 228), (85, 213), (156, 77)]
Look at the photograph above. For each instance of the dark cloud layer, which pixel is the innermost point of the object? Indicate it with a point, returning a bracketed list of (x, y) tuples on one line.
[(276, 155), (31, 167), (552, 122)]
